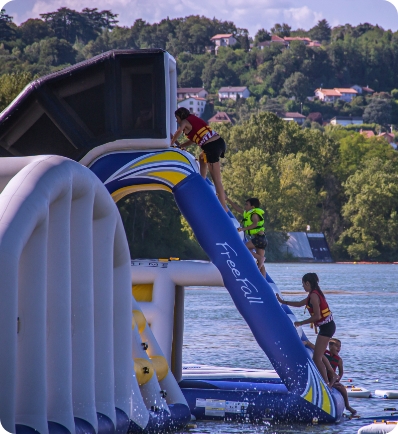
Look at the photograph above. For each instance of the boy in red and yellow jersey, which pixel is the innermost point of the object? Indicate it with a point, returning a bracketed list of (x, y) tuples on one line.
[(213, 146)]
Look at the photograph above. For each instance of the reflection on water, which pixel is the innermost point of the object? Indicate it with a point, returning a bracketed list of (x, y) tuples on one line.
[(364, 301)]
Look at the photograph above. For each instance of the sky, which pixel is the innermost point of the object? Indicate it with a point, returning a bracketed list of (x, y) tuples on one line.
[(248, 14)]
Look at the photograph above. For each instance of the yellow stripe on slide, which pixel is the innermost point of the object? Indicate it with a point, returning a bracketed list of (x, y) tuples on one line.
[(165, 156), (326, 405), (173, 177)]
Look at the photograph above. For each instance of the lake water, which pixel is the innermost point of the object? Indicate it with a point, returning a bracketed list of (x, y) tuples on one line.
[(364, 301)]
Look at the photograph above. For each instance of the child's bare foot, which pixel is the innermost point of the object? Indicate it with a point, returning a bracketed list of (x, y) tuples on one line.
[(351, 410), (260, 262)]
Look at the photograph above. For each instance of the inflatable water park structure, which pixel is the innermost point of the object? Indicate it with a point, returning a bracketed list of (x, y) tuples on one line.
[(91, 342)]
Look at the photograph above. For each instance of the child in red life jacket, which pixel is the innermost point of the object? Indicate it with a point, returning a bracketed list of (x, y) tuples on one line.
[(320, 317), (334, 361), (213, 146)]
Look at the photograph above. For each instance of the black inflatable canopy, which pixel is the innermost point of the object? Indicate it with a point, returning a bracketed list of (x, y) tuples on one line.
[(119, 94)]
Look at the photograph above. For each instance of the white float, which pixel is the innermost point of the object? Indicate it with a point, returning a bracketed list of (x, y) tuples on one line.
[(380, 428), (387, 394), (358, 392)]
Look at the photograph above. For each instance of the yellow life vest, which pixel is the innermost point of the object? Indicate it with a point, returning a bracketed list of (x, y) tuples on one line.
[(247, 221)]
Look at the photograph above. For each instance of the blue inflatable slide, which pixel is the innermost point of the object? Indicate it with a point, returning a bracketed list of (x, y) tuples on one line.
[(301, 394)]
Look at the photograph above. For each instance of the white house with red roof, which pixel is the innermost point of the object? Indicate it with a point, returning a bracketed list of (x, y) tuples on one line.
[(194, 104), (331, 95), (224, 40), (347, 94), (232, 92), (186, 92)]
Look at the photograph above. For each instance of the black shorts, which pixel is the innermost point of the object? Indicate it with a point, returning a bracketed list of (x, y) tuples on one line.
[(214, 150), (259, 241), (327, 329)]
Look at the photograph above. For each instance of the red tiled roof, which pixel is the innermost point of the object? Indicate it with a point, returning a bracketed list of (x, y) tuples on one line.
[(221, 35), (296, 38), (368, 133), (276, 38), (367, 89), (329, 92), (220, 117), (345, 90), (232, 89), (293, 115)]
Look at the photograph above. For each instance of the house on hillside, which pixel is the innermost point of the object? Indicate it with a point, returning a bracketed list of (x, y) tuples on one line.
[(362, 90), (233, 92), (224, 40), (194, 104), (327, 95), (186, 92), (390, 139), (346, 120), (289, 39), (367, 133), (220, 118), (331, 95), (315, 44), (347, 94), (293, 116)]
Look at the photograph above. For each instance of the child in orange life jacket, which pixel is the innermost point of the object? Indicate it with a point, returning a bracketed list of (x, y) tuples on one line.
[(321, 317), (334, 361), (213, 146)]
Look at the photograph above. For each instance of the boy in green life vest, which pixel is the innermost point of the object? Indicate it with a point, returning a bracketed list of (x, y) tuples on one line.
[(253, 225)]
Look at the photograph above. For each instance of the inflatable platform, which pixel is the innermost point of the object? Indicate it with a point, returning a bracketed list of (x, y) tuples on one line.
[(90, 341)]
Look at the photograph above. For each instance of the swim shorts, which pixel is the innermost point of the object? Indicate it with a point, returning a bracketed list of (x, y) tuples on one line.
[(327, 329), (259, 241), (214, 150)]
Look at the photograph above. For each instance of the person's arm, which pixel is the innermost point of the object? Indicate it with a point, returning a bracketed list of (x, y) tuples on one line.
[(235, 206), (291, 303), (316, 309), (186, 144), (178, 133)]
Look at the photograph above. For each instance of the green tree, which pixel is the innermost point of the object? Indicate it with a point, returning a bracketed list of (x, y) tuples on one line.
[(321, 32), (281, 30), (372, 212), (297, 85), (378, 111), (145, 216), (34, 30), (7, 32), (11, 85), (262, 35)]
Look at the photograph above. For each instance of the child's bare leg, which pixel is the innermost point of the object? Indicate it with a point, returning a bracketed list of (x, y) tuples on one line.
[(261, 254), (251, 247), (202, 166), (320, 347), (332, 376), (215, 171), (341, 388)]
